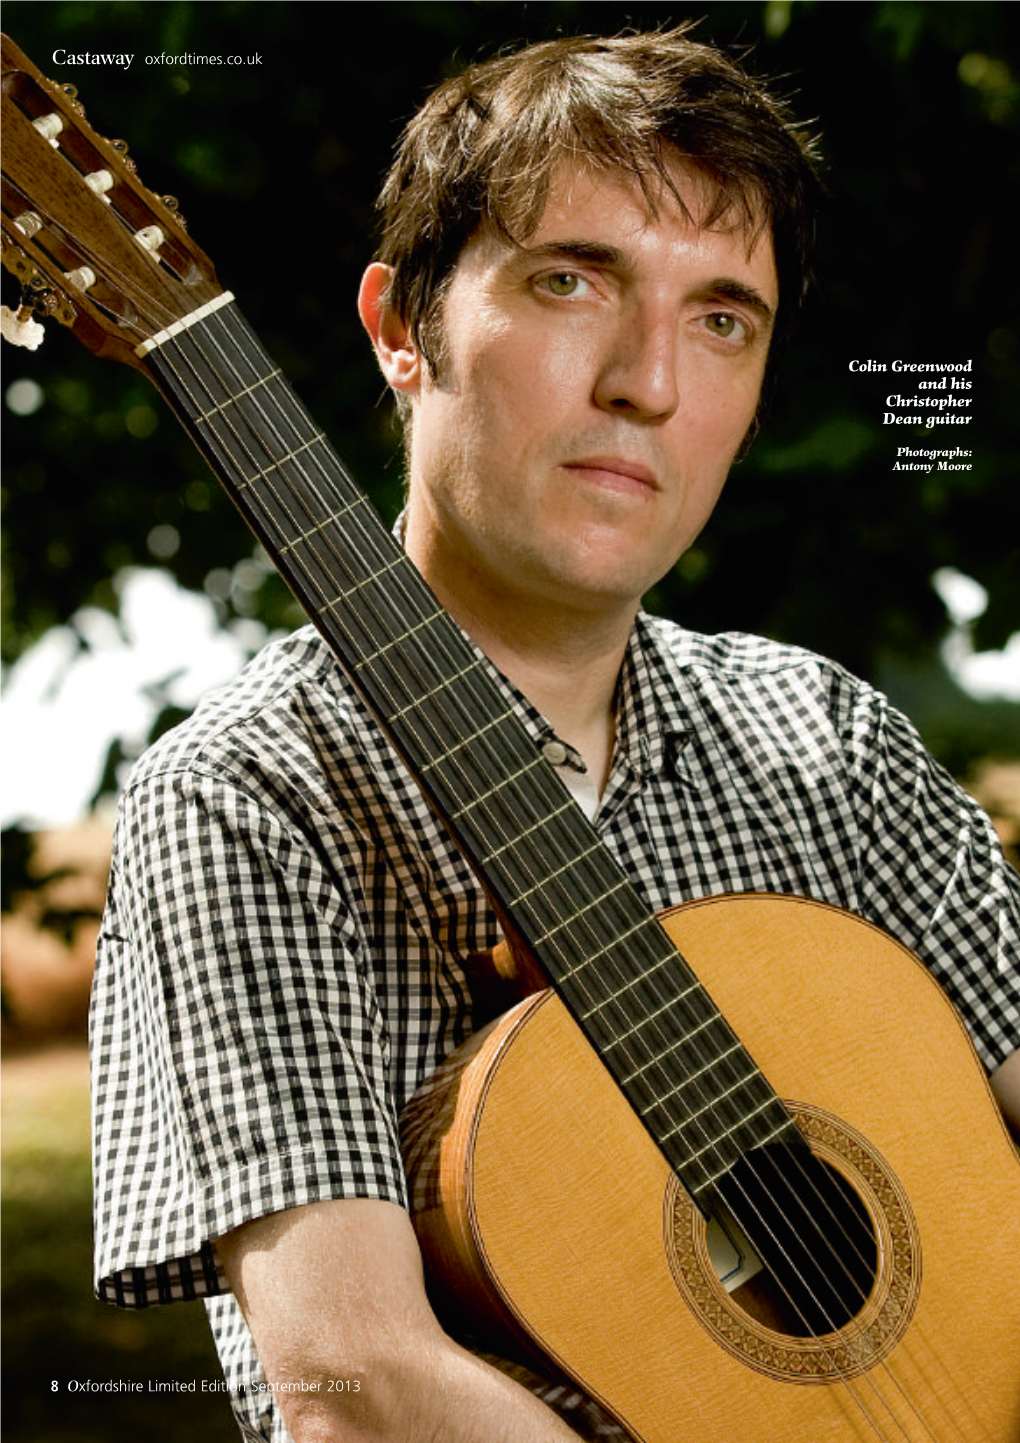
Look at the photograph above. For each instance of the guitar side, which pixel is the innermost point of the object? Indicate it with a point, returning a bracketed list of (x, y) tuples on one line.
[(544, 1209)]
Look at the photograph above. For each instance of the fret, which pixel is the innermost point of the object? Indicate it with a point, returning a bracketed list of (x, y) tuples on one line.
[(247, 483), (692, 990), (717, 1096), (686, 1081), (779, 1132), (365, 604), (557, 875), (343, 598), (462, 748), (501, 819), (248, 463), (524, 833), (727, 1132), (730, 1145), (785, 1128), (434, 619), (235, 398), (616, 997), (591, 959), (709, 1178), (465, 743), (660, 1059), (543, 879), (271, 467), (421, 698), (446, 715), (579, 912), (701, 1174)]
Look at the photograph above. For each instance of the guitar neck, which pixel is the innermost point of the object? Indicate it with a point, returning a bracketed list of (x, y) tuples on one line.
[(435, 697)]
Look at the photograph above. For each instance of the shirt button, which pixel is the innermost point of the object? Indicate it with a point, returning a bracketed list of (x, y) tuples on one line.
[(555, 753)]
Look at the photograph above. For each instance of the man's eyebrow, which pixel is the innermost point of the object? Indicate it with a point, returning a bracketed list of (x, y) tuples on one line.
[(738, 293), (600, 253)]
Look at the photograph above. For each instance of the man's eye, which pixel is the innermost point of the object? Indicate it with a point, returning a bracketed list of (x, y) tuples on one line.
[(727, 327), (564, 283)]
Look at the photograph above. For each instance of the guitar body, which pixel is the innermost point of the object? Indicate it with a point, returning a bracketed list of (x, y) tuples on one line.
[(545, 1210)]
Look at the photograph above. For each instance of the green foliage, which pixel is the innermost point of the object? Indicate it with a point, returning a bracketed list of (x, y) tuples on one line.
[(276, 167)]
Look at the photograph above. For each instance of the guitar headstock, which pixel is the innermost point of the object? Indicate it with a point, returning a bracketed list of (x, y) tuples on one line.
[(91, 246)]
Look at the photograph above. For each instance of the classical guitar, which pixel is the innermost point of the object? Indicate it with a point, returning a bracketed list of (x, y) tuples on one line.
[(767, 1072)]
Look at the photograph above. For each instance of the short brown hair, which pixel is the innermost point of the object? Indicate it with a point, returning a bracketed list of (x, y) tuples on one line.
[(484, 147)]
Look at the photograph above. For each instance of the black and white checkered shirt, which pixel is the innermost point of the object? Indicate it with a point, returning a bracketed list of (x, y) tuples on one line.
[(282, 957)]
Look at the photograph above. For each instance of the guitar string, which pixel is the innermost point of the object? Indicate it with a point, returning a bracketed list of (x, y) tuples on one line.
[(279, 463), (279, 438)]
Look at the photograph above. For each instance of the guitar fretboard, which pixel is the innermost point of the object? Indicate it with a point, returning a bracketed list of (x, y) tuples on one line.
[(684, 1071)]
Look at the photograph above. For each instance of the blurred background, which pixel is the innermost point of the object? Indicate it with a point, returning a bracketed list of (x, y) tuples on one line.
[(129, 586)]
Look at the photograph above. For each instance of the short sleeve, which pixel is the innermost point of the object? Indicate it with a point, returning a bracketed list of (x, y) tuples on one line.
[(933, 872), (240, 1056)]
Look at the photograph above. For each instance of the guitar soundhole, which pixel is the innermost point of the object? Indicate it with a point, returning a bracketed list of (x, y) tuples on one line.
[(840, 1253), (812, 1236)]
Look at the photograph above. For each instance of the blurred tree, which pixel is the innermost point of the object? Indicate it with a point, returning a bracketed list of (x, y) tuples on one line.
[(276, 165)]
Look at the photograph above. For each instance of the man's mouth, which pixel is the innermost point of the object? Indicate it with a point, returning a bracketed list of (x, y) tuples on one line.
[(616, 473)]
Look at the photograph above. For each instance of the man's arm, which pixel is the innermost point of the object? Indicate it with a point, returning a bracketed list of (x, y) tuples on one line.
[(334, 1292)]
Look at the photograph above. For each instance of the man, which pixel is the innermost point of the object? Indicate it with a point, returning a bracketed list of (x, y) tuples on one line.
[(590, 251)]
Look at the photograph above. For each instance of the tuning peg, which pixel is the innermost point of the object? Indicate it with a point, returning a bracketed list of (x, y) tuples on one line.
[(49, 127), (39, 297), (82, 277), (150, 238), (30, 223), (99, 182)]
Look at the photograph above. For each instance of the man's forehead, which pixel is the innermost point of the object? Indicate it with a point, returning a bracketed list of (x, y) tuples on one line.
[(592, 206), (610, 195)]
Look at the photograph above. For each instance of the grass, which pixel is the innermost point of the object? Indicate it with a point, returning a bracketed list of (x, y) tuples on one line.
[(54, 1332)]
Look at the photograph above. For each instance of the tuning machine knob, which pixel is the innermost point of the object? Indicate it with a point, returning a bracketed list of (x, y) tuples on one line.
[(39, 298), (171, 203), (71, 92), (121, 147)]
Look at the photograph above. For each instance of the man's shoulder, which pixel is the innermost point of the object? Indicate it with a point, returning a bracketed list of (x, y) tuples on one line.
[(731, 653), (751, 677), (265, 709)]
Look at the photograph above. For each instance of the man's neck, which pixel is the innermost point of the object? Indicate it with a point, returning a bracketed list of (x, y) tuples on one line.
[(566, 661), (572, 681)]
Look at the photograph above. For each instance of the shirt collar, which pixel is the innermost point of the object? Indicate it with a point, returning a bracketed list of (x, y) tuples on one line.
[(652, 726)]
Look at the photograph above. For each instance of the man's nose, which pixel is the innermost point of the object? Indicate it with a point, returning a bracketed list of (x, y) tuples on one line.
[(640, 372)]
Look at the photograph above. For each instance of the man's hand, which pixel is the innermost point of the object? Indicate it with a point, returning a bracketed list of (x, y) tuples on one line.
[(334, 1295)]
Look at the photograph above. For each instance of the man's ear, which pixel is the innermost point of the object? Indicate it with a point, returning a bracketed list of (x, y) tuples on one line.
[(398, 355)]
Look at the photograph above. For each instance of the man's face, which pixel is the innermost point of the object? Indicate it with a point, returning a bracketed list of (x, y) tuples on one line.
[(595, 387)]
